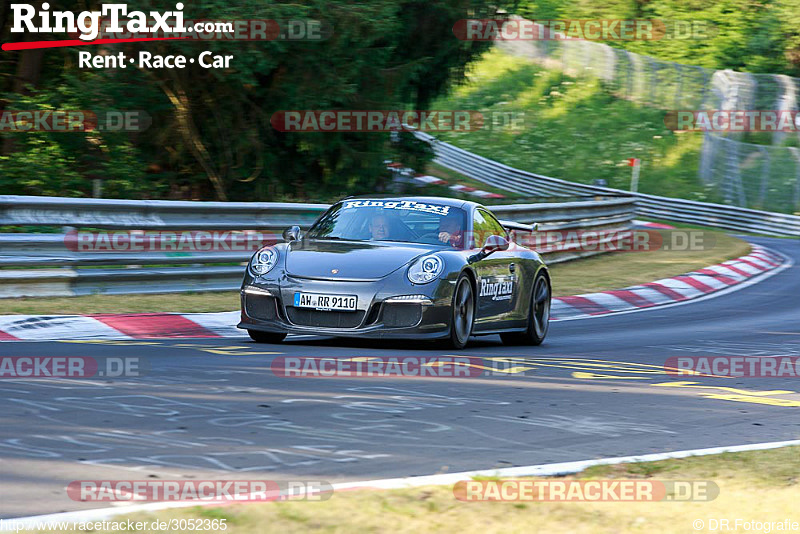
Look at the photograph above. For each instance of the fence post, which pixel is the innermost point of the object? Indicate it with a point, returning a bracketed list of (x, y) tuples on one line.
[(762, 195), (796, 153), (679, 88)]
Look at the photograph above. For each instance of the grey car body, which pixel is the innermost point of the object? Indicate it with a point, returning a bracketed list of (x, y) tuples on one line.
[(491, 284)]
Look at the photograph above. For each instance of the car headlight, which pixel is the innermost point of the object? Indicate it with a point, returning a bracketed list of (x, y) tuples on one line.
[(263, 261), (425, 269)]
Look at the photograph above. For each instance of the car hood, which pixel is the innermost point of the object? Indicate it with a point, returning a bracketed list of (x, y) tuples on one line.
[(334, 260)]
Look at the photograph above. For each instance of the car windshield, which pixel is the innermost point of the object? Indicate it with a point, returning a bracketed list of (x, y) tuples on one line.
[(392, 220)]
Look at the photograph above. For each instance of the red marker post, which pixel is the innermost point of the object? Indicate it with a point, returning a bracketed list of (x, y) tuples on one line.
[(636, 163)]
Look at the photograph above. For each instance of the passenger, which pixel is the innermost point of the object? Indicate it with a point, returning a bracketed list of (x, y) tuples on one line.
[(451, 231)]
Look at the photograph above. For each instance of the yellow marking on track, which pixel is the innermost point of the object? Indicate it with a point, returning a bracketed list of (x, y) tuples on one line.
[(579, 374), (735, 391), (590, 365), (237, 353), (740, 395)]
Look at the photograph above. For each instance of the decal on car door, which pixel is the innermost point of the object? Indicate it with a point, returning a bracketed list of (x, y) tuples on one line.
[(497, 287)]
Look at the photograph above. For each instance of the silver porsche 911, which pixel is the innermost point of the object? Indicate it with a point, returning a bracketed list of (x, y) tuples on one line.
[(405, 267)]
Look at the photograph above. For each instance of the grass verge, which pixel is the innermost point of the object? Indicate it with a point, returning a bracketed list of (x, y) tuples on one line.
[(573, 129), (754, 486)]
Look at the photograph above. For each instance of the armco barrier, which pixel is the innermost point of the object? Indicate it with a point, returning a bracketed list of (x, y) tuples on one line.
[(677, 210), (42, 264), (153, 214)]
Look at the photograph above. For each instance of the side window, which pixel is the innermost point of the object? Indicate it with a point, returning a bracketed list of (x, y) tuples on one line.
[(485, 225), (497, 228)]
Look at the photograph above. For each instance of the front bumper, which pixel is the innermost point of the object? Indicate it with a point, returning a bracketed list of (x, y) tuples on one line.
[(267, 306)]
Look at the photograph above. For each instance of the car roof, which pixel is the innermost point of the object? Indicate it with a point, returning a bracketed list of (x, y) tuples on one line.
[(445, 201)]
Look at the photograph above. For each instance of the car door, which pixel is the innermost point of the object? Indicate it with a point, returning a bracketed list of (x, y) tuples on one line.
[(498, 287)]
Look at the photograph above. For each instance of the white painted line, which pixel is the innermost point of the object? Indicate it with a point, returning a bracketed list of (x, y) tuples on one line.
[(563, 468), (543, 470)]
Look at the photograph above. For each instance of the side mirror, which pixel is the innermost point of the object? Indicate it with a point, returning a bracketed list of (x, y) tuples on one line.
[(291, 234), (493, 244)]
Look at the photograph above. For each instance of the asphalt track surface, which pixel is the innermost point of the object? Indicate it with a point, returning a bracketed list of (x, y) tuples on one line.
[(212, 409)]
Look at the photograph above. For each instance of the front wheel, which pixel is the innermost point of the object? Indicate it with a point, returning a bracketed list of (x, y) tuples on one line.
[(538, 316), (463, 313), (265, 337)]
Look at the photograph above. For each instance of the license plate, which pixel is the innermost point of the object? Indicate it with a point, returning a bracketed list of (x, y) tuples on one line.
[(325, 302)]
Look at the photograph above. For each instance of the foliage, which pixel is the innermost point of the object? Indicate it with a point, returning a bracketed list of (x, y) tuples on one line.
[(211, 135), (574, 129), (747, 35)]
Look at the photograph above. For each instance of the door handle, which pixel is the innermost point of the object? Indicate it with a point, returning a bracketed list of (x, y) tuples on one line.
[(512, 267)]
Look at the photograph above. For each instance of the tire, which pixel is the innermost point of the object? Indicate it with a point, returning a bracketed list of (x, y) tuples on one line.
[(462, 313), (265, 337), (538, 315)]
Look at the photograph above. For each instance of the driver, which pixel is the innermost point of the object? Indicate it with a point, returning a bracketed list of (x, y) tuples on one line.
[(450, 230), (379, 227)]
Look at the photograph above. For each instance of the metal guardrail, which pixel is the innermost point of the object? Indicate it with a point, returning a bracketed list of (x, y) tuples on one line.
[(677, 210), (49, 264), (153, 214)]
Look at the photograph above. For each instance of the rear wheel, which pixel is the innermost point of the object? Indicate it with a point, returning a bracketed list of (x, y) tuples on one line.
[(538, 316), (463, 313), (265, 337)]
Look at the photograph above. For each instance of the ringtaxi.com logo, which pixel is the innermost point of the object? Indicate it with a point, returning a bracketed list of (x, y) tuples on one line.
[(231, 30)]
